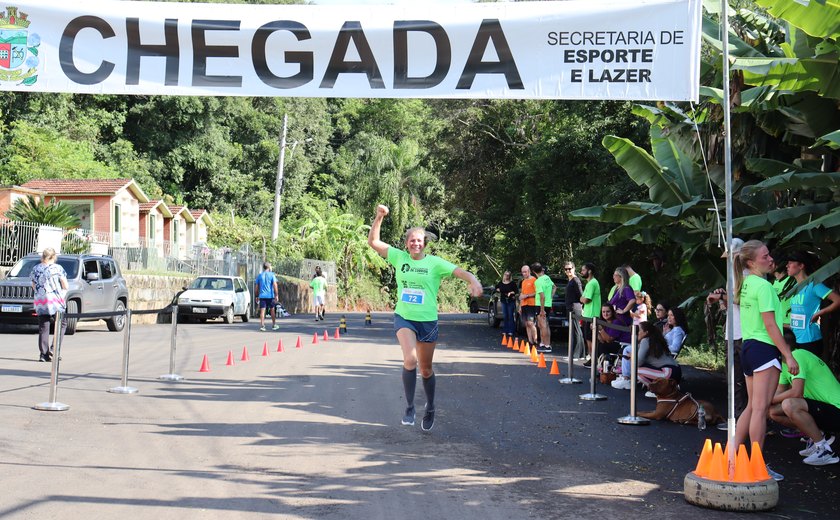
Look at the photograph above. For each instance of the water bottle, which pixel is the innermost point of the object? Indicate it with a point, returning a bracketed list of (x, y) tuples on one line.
[(701, 417)]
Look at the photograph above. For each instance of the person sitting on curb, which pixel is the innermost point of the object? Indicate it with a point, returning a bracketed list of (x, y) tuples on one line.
[(655, 361), (809, 401)]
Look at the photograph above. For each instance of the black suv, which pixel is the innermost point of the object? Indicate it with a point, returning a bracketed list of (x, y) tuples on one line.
[(95, 284), (558, 317)]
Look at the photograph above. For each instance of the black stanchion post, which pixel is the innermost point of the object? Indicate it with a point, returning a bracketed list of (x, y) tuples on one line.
[(592, 395), (570, 380), (172, 376), (124, 388), (52, 405), (632, 419)]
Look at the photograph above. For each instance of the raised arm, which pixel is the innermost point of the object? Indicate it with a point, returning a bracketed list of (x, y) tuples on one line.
[(475, 286), (373, 236)]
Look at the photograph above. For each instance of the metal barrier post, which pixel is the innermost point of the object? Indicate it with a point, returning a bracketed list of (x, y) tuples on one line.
[(172, 376), (570, 380), (52, 405), (592, 395), (124, 388), (632, 419)]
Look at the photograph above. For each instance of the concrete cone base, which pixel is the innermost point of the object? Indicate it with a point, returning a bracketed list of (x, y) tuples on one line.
[(731, 496)]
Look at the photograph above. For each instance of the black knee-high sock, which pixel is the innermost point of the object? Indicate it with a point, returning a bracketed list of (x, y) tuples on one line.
[(429, 387), (409, 384)]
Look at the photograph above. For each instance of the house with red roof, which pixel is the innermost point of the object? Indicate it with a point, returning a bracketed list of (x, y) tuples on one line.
[(179, 230), (107, 207), (153, 215), (201, 226), (11, 194)]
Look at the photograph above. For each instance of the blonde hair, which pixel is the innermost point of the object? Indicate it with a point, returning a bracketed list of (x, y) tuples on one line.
[(427, 235), (645, 298), (48, 254), (747, 253)]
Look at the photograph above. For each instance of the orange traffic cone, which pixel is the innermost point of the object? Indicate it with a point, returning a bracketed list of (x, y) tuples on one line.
[(280, 346), (265, 349), (504, 340), (326, 336), (717, 471), (337, 334), (541, 363), (555, 368), (525, 348), (230, 359), (704, 465), (516, 344), (245, 356), (742, 466), (758, 468), (297, 345), (534, 358), (315, 339), (205, 364)]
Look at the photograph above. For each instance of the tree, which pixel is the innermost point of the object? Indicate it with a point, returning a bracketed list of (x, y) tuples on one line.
[(56, 213)]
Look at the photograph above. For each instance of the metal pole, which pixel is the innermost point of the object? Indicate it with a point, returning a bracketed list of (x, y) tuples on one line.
[(592, 395), (52, 405), (632, 419), (570, 380), (124, 388), (278, 185), (172, 376), (730, 266)]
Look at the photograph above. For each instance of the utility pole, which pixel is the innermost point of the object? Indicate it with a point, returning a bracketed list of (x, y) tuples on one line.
[(278, 185)]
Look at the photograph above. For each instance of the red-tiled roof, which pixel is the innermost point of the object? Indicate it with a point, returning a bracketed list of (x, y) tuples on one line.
[(147, 207), (85, 186), (196, 213), (179, 209)]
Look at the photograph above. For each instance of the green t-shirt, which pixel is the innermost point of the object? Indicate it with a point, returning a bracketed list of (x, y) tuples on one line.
[(544, 286), (592, 292), (784, 308), (319, 285), (418, 282), (820, 383), (757, 296), (635, 282)]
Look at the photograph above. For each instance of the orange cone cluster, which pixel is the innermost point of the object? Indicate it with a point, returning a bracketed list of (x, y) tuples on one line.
[(205, 362), (713, 464), (524, 347)]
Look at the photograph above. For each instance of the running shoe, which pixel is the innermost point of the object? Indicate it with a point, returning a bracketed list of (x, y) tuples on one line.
[(544, 348), (823, 456), (790, 433), (722, 426), (621, 383), (650, 394), (262, 329), (428, 420), (408, 418), (588, 362), (811, 447), (275, 327), (778, 477)]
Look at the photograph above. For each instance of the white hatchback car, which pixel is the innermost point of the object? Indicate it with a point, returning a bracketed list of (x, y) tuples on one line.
[(214, 296)]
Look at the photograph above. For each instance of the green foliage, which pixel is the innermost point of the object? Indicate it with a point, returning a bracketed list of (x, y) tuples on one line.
[(54, 213)]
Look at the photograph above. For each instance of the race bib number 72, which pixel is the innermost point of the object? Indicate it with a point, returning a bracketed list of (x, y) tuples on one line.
[(413, 296)]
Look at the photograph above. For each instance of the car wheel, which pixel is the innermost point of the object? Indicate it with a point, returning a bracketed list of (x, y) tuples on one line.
[(229, 315), (491, 316), (247, 315), (117, 323), (72, 308), (474, 307)]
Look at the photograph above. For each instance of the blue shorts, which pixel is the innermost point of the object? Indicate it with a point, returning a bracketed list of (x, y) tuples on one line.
[(757, 356), (267, 303), (426, 331)]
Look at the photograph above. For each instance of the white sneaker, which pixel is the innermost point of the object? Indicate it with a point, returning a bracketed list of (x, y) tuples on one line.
[(811, 447), (650, 394), (621, 383), (822, 456)]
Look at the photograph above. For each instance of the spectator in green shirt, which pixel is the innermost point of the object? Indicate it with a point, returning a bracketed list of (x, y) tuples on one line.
[(545, 289)]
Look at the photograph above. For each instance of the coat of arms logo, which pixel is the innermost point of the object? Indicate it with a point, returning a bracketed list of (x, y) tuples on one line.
[(18, 48)]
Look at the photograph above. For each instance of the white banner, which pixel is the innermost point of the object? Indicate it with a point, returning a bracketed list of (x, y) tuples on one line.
[(579, 49)]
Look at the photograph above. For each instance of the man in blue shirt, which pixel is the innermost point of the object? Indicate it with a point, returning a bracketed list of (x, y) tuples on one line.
[(265, 293)]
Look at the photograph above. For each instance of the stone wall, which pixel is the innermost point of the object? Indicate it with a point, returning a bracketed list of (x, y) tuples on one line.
[(156, 292)]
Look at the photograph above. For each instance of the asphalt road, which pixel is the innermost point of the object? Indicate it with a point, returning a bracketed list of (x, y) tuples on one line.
[(314, 432)]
